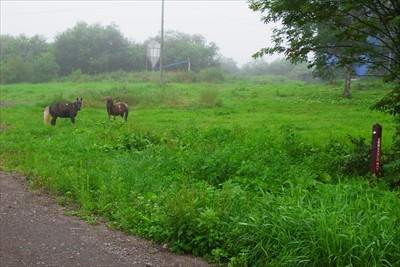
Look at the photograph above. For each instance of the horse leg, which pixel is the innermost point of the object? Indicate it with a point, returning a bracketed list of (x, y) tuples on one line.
[(73, 119), (53, 120)]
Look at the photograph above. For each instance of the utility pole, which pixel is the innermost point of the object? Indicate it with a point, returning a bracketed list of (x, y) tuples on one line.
[(162, 45)]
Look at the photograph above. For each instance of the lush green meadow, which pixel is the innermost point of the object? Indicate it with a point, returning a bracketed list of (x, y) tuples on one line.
[(255, 172)]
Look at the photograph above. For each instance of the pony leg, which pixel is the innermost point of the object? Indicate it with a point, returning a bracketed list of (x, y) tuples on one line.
[(53, 121), (73, 119), (126, 115)]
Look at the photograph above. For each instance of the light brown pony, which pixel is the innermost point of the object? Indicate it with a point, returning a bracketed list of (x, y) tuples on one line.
[(117, 109)]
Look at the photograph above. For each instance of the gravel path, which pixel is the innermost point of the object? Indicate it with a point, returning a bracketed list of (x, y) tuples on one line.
[(35, 232)]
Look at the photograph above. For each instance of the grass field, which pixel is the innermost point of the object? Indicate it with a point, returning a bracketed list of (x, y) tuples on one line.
[(251, 173)]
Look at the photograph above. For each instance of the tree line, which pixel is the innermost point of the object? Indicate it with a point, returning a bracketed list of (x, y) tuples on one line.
[(94, 49)]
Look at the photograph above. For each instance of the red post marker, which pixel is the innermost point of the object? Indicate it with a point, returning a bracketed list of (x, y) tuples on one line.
[(375, 167)]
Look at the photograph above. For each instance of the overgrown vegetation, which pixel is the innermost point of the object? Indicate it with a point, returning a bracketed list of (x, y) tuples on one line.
[(103, 50), (33, 60), (250, 173)]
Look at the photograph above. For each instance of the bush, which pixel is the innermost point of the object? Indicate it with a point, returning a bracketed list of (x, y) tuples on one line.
[(211, 75), (357, 161), (209, 98)]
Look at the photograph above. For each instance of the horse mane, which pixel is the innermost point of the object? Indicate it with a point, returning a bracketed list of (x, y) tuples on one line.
[(109, 103)]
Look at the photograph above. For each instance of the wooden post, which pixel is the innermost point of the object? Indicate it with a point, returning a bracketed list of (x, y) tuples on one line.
[(375, 167)]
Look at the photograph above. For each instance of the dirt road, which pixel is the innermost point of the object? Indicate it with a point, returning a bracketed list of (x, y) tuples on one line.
[(35, 232)]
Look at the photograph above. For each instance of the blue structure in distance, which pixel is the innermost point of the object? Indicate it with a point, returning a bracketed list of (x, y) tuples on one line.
[(359, 70), (188, 60)]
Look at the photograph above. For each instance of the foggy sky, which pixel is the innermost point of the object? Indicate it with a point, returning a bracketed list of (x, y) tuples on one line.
[(235, 29)]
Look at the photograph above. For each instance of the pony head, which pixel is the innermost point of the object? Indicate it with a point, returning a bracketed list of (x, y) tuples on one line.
[(109, 99), (78, 103)]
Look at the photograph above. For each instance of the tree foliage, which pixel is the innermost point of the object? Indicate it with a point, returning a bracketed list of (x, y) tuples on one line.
[(355, 32), (94, 49), (180, 46), (279, 67), (261, 67), (228, 65), (26, 59)]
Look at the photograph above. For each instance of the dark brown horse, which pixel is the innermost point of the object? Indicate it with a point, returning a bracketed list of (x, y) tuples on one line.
[(117, 109), (69, 110)]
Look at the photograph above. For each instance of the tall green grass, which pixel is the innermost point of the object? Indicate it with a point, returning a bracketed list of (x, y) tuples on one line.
[(250, 173)]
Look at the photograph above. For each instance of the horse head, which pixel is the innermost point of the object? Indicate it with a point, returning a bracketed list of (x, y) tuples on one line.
[(78, 104), (109, 102)]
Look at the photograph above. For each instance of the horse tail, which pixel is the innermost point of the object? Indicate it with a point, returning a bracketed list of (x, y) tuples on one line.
[(126, 113), (46, 116)]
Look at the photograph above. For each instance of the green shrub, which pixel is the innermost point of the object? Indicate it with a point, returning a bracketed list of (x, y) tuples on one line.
[(209, 98), (211, 75), (180, 76), (356, 162)]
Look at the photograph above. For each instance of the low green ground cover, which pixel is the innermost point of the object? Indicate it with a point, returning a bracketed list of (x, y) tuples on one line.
[(254, 172)]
